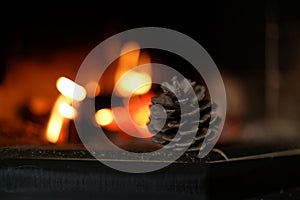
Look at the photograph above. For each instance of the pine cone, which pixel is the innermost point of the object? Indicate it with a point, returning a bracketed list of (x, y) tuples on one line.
[(166, 119)]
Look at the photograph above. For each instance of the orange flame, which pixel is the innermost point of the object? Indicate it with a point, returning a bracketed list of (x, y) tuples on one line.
[(70, 89), (133, 82), (140, 112), (55, 124), (104, 117), (62, 111), (66, 110)]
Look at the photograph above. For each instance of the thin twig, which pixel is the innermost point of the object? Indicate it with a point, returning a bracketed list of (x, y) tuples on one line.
[(221, 153), (261, 156)]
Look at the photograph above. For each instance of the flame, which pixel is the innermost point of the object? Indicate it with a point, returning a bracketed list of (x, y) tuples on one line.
[(104, 117), (140, 112), (118, 118), (133, 82), (127, 61), (56, 121), (66, 110), (70, 89), (141, 117), (62, 109)]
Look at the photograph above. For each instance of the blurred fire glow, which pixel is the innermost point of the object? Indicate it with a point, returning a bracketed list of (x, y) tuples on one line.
[(129, 81), (56, 121), (139, 109), (104, 117), (70, 89), (129, 119), (66, 110), (140, 112), (134, 83), (62, 111), (141, 117)]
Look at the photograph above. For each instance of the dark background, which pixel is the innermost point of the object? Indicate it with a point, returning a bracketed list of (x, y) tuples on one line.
[(233, 32)]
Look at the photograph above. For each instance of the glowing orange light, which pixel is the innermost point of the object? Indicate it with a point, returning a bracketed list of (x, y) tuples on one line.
[(104, 117), (127, 61), (141, 117), (134, 83), (39, 106), (56, 121), (62, 111), (66, 110), (70, 89), (140, 112)]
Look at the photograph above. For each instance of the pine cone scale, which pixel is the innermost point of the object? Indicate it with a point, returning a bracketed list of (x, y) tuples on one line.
[(181, 101)]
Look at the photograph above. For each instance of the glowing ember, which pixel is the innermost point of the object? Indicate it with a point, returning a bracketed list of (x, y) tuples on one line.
[(66, 110), (134, 83), (131, 81), (141, 117), (62, 111), (127, 61), (140, 112), (104, 117), (70, 89), (39, 106), (55, 123)]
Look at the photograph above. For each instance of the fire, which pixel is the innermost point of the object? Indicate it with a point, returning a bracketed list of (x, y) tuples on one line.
[(128, 81), (131, 119), (141, 117), (62, 111), (139, 109), (140, 112), (56, 121), (66, 110), (131, 81), (104, 117), (70, 89), (127, 61), (134, 83)]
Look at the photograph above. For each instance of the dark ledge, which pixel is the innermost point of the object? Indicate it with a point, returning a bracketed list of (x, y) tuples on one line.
[(80, 153), (64, 173)]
